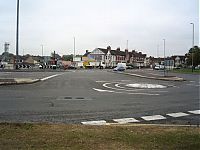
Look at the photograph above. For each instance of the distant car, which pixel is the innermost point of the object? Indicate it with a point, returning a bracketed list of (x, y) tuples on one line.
[(197, 67), (159, 67), (129, 67), (71, 67), (119, 69)]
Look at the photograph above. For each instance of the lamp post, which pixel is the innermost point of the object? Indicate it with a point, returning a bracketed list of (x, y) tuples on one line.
[(127, 45), (74, 49), (42, 49), (17, 35), (164, 56), (192, 45)]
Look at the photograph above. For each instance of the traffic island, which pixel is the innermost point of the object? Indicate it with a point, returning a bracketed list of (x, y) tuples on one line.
[(14, 81), (165, 78)]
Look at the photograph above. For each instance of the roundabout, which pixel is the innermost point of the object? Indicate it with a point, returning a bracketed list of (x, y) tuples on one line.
[(127, 87)]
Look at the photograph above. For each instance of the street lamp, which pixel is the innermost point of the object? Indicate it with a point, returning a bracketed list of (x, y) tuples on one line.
[(17, 35), (74, 48), (42, 49), (192, 44), (164, 57)]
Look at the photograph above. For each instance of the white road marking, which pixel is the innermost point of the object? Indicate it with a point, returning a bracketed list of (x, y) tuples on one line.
[(155, 117), (46, 78), (179, 114), (101, 81), (125, 120), (100, 90), (197, 112), (97, 123), (105, 85), (109, 91), (117, 85), (146, 86)]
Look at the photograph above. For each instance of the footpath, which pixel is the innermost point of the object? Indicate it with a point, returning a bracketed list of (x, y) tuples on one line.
[(150, 74)]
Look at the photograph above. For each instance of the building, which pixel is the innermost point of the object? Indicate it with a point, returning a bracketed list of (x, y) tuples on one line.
[(112, 57), (137, 59), (179, 61)]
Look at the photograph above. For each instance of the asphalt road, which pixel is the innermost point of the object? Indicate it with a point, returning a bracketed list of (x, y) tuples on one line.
[(93, 95)]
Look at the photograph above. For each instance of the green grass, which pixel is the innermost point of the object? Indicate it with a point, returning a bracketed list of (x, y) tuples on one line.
[(75, 137), (187, 71)]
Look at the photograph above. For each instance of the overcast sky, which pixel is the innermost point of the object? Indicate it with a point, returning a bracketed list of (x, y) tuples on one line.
[(99, 23)]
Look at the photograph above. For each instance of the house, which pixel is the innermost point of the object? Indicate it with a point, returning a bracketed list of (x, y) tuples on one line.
[(137, 59), (179, 60), (107, 56), (111, 57)]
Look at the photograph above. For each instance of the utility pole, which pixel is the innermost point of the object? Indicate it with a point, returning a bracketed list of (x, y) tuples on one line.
[(17, 36), (164, 57), (192, 46), (157, 51), (42, 49), (127, 45), (74, 49)]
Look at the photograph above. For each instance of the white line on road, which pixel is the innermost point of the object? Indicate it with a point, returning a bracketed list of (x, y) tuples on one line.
[(179, 114), (155, 117), (46, 78), (197, 112), (125, 120), (109, 91), (98, 123), (105, 85), (101, 81)]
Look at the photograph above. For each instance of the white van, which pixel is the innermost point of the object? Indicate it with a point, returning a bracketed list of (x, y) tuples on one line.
[(121, 65)]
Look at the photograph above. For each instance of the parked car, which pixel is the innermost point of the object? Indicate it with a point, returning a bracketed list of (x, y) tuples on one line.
[(159, 67), (120, 68), (71, 67), (129, 67)]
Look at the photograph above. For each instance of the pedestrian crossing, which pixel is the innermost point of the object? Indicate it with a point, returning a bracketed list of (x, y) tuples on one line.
[(142, 119)]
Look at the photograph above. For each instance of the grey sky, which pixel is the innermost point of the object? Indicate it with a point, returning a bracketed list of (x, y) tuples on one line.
[(99, 23)]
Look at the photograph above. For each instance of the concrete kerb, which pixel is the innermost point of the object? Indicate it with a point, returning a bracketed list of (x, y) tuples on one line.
[(159, 125), (155, 78), (15, 81)]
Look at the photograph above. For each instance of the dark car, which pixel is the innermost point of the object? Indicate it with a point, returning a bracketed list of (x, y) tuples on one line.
[(119, 69)]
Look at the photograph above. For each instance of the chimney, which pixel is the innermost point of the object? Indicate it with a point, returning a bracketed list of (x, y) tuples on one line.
[(126, 51), (86, 51), (109, 48), (118, 49)]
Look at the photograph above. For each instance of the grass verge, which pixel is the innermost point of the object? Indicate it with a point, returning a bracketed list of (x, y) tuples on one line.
[(48, 136)]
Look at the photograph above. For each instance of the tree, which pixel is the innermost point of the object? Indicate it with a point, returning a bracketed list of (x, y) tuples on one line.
[(196, 56), (67, 57)]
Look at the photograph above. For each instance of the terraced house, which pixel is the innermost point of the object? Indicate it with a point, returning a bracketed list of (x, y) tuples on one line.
[(112, 57)]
